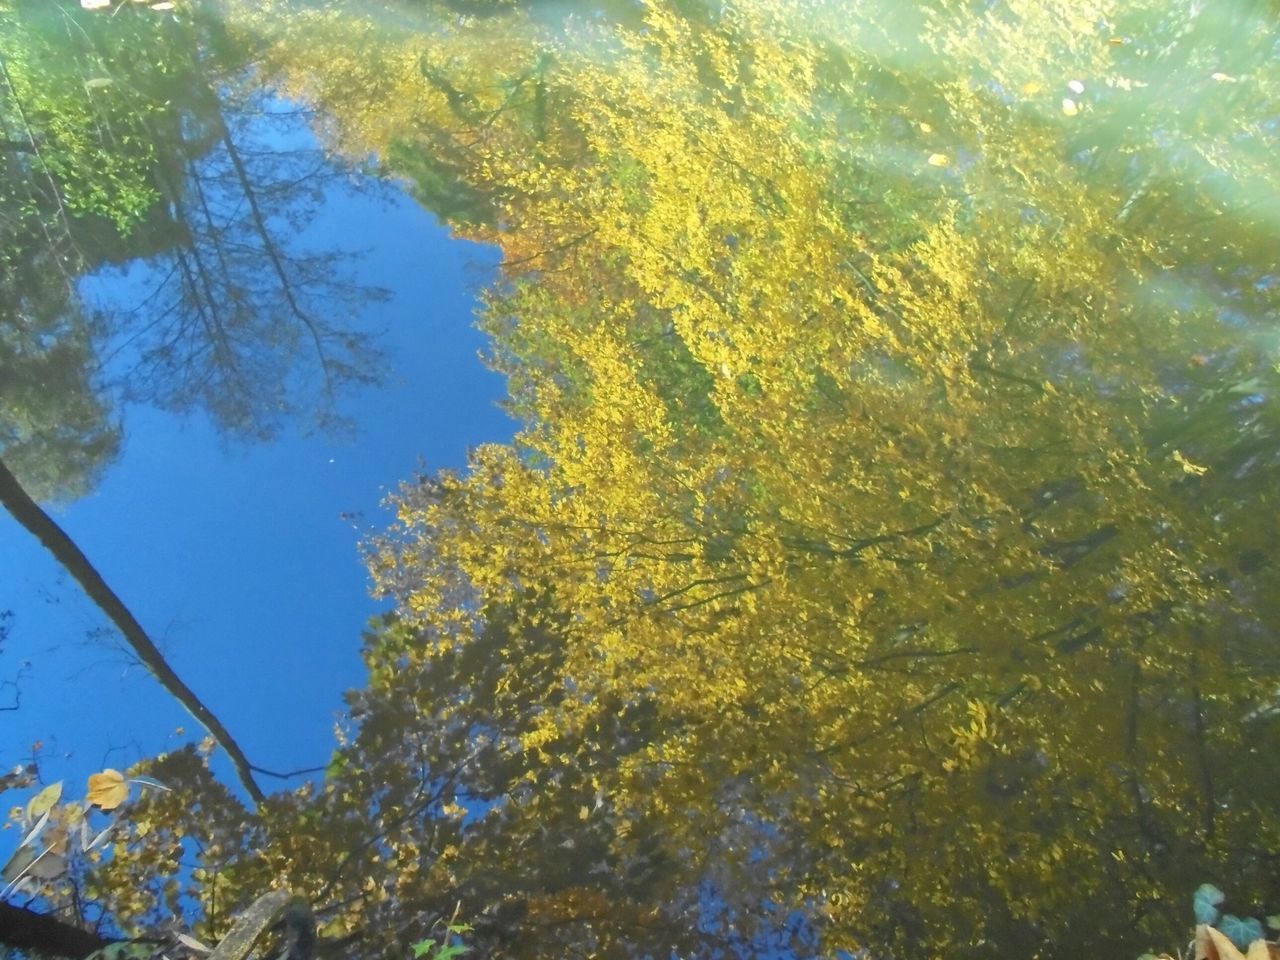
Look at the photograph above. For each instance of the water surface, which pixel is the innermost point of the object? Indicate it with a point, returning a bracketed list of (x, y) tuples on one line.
[(881, 559)]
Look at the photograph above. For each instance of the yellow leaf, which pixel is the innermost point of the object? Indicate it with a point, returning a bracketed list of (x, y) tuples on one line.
[(43, 801), (107, 789), (938, 160), (925, 128), (1187, 466), (1069, 107), (583, 813)]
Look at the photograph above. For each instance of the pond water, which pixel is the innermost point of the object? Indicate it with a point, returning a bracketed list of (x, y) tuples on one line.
[(858, 539)]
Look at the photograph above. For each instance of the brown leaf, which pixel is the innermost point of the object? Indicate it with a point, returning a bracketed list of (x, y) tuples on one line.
[(107, 789), (1212, 944)]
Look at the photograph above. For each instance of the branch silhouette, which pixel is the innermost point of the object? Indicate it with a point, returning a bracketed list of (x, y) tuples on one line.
[(28, 513)]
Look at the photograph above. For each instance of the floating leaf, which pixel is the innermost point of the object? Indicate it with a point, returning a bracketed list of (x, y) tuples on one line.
[(1205, 903), (17, 866), (150, 782), (1242, 931), (1252, 385), (1192, 468), (925, 128), (1212, 945), (95, 4), (44, 801), (1069, 107), (28, 862), (107, 789), (1273, 921), (191, 943), (1075, 86), (49, 865), (938, 160), (162, 6), (1222, 77), (88, 844), (98, 83)]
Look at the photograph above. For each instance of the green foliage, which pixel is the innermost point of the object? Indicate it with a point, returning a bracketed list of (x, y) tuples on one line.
[(443, 949), (1241, 931), (1206, 902)]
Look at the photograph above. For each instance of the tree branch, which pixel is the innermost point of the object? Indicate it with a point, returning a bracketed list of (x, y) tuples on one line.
[(41, 934), (40, 525)]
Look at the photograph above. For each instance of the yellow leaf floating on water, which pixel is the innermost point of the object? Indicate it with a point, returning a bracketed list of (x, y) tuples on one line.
[(107, 789), (1187, 466), (1069, 107), (938, 160), (43, 802)]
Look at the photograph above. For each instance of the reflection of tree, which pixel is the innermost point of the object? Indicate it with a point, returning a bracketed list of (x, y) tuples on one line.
[(116, 145), (851, 360), (241, 322), (55, 429), (444, 795)]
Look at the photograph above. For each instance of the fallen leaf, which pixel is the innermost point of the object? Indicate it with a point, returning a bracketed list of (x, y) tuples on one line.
[(50, 865), (1194, 469), (107, 789), (44, 801), (1213, 944), (17, 865), (192, 943), (95, 4), (938, 160), (1069, 107)]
